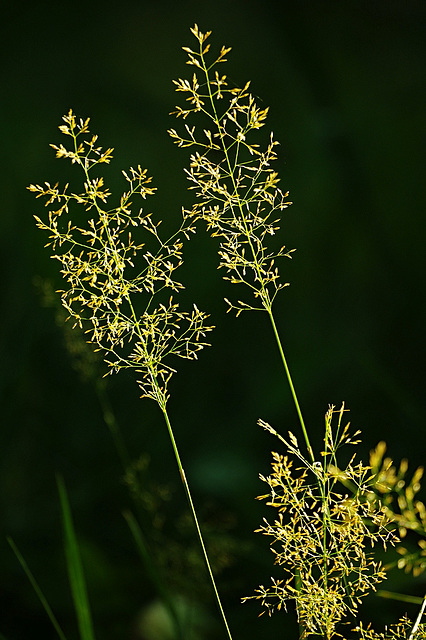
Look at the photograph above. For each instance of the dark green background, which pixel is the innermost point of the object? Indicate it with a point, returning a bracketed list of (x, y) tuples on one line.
[(345, 86)]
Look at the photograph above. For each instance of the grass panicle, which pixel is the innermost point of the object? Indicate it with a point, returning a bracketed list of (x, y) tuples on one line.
[(105, 268), (237, 189), (321, 532), (110, 276), (121, 289), (322, 537)]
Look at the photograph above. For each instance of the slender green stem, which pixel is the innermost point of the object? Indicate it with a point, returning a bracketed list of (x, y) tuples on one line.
[(266, 301), (416, 624), (298, 585), (194, 516), (141, 544), (290, 382), (161, 400)]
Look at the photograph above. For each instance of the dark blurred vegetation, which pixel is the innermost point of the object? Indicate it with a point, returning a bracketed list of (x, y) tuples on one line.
[(345, 84)]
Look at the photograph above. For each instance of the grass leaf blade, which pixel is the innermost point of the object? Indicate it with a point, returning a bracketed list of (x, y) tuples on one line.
[(75, 568), (37, 589), (401, 597)]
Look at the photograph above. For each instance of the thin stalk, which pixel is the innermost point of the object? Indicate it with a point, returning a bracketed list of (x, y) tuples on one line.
[(194, 516), (416, 624), (290, 382), (266, 301), (141, 544), (161, 401), (298, 585)]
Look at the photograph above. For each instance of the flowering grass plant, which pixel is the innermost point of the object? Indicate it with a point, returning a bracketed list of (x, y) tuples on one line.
[(326, 518)]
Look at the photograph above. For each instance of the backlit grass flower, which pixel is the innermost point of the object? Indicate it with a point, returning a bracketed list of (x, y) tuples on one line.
[(321, 536), (119, 289), (238, 189), (402, 630), (398, 495)]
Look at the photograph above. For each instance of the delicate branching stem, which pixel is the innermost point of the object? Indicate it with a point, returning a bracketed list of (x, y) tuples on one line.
[(320, 541), (98, 265), (259, 274)]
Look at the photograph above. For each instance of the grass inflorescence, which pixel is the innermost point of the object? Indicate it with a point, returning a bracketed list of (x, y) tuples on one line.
[(121, 288)]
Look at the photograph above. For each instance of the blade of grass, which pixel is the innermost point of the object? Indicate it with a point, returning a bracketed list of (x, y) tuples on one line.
[(75, 568), (401, 597), (37, 589)]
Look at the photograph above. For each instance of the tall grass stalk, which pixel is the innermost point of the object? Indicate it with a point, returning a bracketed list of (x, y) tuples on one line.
[(327, 517), (320, 542), (197, 524), (120, 292), (238, 192)]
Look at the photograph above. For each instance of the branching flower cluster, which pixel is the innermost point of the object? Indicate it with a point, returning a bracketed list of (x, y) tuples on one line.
[(399, 631), (397, 493), (119, 290), (321, 536), (104, 268), (237, 188)]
